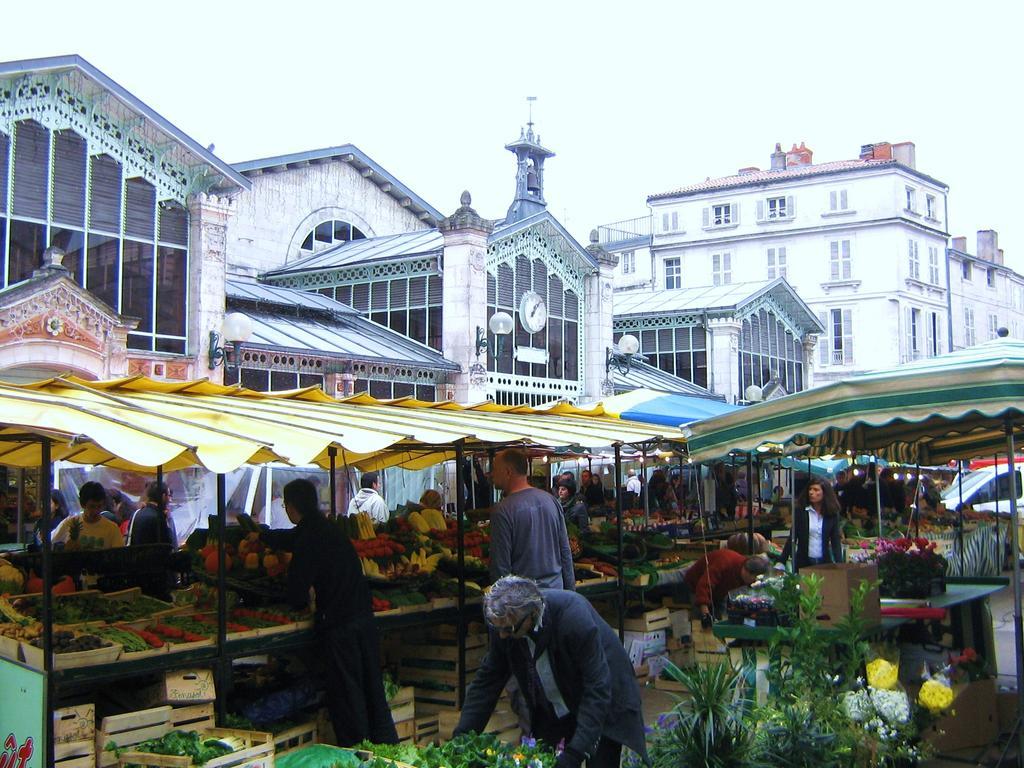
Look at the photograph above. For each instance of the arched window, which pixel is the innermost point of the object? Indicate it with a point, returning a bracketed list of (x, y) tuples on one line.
[(329, 233)]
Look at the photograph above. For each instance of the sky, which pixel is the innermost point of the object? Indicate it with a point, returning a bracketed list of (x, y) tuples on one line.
[(634, 98)]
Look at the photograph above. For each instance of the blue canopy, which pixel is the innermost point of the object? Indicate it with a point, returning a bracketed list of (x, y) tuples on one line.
[(654, 407)]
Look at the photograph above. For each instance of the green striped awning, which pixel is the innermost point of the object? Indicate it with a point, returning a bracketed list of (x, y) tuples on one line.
[(929, 411)]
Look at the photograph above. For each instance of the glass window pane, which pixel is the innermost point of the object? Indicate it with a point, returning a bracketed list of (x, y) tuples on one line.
[(31, 169), (105, 194), (173, 224), (404, 389), (425, 393), (69, 164), (434, 327), (397, 321), (379, 317), (700, 368), (307, 244), (571, 344), (280, 380), (556, 355), (171, 290), (357, 234), (26, 250), (72, 242), (140, 341), (137, 288), (380, 389), (522, 339), (324, 232), (3, 247), (540, 341), (418, 325), (173, 346), (5, 159), (102, 271), (255, 379), (342, 231), (311, 380)]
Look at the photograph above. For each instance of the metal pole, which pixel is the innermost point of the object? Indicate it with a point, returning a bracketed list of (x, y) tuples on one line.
[(1018, 629), (960, 508), (619, 540), (21, 503), (460, 553), (332, 454), (646, 486), (917, 511), (878, 494), (750, 504), (47, 566), (999, 552), (223, 662)]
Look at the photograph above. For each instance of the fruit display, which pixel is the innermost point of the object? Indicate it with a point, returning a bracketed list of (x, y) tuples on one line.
[(12, 580), (69, 642)]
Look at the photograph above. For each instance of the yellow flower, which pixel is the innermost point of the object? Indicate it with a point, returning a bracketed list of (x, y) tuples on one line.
[(882, 674), (489, 752), (935, 697), (518, 756)]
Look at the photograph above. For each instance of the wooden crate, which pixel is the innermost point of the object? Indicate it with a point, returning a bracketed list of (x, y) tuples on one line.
[(649, 621), (426, 729), (75, 723), (406, 731), (403, 712), (194, 717), (431, 702), (183, 686), (129, 729), (258, 752), (75, 754), (704, 641), (295, 738)]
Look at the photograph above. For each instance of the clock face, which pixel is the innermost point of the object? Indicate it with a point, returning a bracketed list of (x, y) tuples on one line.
[(533, 313)]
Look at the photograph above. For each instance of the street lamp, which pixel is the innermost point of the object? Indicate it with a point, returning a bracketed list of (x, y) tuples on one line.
[(235, 330), (621, 357), (500, 325)]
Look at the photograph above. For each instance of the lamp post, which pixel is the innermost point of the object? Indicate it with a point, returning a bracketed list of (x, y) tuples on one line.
[(621, 358), (235, 331), (500, 325)]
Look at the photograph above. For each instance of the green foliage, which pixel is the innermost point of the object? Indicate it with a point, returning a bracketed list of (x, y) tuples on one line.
[(467, 750), (708, 728), (793, 736)]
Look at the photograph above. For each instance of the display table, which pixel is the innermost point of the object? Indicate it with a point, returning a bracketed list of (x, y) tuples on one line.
[(965, 599)]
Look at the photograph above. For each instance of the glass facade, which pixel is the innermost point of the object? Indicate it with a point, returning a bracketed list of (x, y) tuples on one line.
[(122, 244), (768, 350), (680, 351)]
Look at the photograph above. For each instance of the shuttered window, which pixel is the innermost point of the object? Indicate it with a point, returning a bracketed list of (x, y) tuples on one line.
[(105, 194), (139, 208), (31, 169), (69, 163), (173, 224), (137, 283), (5, 159)]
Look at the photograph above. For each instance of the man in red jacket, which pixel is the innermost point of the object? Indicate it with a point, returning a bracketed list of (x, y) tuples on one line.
[(720, 571)]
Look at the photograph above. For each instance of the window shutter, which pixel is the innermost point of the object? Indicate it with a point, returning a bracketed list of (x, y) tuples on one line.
[(930, 327), (706, 213), (675, 221), (727, 265), (847, 261), (69, 163), (848, 336), (5, 155), (790, 206), (734, 212), (664, 222), (908, 320), (31, 169), (139, 208), (771, 263), (833, 202), (823, 345), (105, 194), (834, 260), (937, 326), (760, 210), (173, 223), (361, 297), (842, 200)]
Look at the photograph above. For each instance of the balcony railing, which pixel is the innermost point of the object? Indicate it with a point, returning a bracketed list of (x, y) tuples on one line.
[(627, 229)]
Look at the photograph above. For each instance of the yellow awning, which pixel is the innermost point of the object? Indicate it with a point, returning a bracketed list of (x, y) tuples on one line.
[(301, 426)]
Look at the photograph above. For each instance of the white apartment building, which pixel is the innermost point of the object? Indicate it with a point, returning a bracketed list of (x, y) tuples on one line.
[(861, 241), (984, 293)]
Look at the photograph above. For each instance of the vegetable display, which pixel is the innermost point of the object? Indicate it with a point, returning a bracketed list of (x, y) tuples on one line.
[(183, 744)]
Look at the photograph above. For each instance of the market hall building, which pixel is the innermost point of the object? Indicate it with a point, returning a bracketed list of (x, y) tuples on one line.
[(125, 243)]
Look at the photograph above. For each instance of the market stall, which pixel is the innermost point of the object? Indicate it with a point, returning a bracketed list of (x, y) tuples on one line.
[(144, 425)]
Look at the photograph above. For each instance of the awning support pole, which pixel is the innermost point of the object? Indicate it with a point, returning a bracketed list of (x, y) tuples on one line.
[(223, 662), (619, 540), (332, 454), (878, 493), (47, 565), (460, 550), (750, 503), (1018, 629), (999, 553)]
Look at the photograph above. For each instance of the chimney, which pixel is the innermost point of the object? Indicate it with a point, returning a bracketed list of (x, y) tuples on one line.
[(778, 158), (798, 156), (999, 257), (881, 150), (748, 170), (904, 153), (988, 244), (959, 244)]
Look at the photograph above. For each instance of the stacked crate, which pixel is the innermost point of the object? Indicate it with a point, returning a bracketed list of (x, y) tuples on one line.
[(429, 661), (403, 713), (74, 736)]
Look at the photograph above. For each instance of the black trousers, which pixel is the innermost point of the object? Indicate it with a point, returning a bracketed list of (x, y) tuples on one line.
[(355, 689), (607, 755)]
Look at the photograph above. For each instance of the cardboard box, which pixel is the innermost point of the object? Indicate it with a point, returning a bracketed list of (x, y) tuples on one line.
[(838, 581), (1006, 706), (182, 686), (652, 643), (973, 720)]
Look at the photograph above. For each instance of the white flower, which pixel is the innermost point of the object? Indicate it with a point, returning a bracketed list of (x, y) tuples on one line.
[(893, 706), (54, 326), (858, 706)]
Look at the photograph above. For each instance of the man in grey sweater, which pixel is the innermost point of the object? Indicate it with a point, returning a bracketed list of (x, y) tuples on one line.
[(528, 536)]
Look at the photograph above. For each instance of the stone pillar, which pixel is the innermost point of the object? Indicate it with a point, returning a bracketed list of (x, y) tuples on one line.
[(209, 215), (809, 342), (597, 319), (723, 358), (465, 295)]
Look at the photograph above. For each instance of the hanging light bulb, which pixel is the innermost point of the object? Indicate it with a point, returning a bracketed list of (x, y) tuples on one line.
[(545, 459)]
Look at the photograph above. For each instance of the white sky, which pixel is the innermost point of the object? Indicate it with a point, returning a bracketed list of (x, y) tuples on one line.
[(635, 98)]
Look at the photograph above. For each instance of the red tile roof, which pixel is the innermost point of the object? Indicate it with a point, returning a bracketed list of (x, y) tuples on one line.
[(767, 177)]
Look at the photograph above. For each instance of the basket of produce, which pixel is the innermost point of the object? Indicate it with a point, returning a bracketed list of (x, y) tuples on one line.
[(71, 649), (135, 643), (265, 622), (178, 639), (212, 748)]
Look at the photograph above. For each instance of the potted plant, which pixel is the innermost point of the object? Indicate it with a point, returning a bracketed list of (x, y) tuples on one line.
[(910, 568)]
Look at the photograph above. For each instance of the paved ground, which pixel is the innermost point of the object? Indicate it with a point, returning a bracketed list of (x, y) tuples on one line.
[(1001, 604)]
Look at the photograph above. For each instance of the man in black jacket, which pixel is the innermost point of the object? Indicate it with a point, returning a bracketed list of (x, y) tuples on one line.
[(571, 667), (324, 563)]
